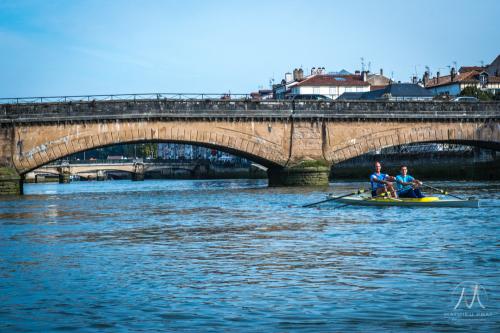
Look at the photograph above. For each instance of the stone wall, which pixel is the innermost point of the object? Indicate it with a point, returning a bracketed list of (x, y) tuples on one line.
[(10, 182), (6, 143)]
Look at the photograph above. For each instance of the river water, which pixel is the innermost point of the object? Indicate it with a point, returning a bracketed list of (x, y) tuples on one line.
[(234, 255)]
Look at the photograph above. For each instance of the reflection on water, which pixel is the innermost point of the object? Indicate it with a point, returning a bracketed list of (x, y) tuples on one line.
[(238, 256)]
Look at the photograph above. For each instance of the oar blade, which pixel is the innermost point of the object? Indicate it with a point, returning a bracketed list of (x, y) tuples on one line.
[(334, 198)]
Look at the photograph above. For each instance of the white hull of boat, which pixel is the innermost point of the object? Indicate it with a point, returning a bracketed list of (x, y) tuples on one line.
[(388, 202)]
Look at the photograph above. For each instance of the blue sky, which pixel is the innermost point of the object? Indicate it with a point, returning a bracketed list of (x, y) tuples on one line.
[(56, 47)]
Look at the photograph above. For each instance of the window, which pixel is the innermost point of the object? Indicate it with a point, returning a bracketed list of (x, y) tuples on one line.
[(483, 79)]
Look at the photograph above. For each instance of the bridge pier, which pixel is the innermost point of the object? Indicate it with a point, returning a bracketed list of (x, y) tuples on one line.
[(100, 175), (309, 173), (138, 174), (11, 183), (64, 174), (64, 178)]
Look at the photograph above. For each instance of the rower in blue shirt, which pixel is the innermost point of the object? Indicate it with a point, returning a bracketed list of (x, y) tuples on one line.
[(408, 187), (382, 182)]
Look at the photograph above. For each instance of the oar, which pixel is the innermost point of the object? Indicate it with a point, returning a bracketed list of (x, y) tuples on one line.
[(332, 199), (442, 191), (378, 196)]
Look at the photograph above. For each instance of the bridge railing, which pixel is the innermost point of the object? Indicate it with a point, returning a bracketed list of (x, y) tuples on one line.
[(124, 97), (167, 106)]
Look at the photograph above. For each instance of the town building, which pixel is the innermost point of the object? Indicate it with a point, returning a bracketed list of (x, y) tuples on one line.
[(486, 78), (378, 81), (331, 85), (283, 88), (176, 151), (392, 92)]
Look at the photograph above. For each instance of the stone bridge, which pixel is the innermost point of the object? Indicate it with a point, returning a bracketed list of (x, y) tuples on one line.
[(137, 169), (297, 141)]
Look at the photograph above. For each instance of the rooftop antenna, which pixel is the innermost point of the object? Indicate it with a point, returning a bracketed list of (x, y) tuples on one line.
[(362, 64), (416, 71), (271, 82)]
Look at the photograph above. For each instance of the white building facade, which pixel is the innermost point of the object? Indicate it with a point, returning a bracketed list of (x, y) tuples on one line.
[(331, 86)]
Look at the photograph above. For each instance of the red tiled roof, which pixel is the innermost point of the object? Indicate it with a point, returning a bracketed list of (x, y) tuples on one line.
[(444, 80), (333, 80), (465, 69)]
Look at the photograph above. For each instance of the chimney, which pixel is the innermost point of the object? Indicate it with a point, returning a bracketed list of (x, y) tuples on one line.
[(414, 80), (437, 77), (313, 70), (289, 78), (356, 72), (300, 74), (363, 76), (382, 71), (453, 73), (425, 79)]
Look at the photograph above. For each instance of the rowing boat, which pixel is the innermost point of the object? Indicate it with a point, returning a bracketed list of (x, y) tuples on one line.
[(409, 202)]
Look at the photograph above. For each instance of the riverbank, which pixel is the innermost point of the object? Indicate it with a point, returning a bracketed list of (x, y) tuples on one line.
[(425, 166)]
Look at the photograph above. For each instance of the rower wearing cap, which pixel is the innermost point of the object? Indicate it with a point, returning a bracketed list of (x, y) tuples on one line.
[(382, 182), (408, 187)]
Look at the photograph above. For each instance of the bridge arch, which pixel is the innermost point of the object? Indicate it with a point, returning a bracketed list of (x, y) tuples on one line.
[(81, 138), (484, 136)]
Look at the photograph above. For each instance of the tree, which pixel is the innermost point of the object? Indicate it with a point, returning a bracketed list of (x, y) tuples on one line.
[(478, 93)]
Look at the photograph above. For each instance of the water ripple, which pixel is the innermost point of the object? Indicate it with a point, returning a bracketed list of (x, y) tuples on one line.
[(237, 256)]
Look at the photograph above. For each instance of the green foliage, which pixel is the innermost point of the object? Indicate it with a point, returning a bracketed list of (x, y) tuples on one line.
[(478, 93), (149, 150)]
